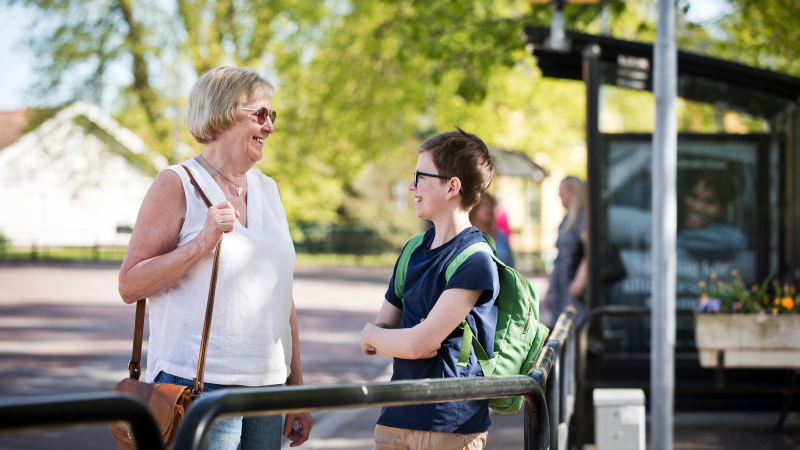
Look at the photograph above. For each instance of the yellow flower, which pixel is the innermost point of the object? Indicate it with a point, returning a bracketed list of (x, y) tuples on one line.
[(734, 273), (754, 288), (787, 303), (776, 302), (774, 311), (786, 287), (702, 284), (713, 276), (702, 297)]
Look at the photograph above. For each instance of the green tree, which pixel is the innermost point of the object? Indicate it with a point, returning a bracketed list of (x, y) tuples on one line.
[(154, 44), (358, 83), (761, 33)]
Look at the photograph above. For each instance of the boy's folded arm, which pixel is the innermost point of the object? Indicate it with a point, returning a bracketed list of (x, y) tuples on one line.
[(389, 315), (424, 339)]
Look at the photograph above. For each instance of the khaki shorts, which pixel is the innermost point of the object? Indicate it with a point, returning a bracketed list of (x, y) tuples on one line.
[(388, 438)]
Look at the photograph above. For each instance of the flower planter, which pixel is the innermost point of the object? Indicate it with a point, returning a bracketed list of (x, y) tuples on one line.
[(748, 340)]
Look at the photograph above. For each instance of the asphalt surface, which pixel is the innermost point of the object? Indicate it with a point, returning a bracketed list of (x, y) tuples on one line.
[(63, 329)]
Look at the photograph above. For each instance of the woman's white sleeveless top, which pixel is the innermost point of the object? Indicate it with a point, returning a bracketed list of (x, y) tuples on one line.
[(250, 342)]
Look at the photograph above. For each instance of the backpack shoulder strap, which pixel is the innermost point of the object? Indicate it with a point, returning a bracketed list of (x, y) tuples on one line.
[(402, 264), (468, 337)]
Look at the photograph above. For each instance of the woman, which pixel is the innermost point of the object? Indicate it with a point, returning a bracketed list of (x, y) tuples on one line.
[(482, 217), (254, 339), (570, 249)]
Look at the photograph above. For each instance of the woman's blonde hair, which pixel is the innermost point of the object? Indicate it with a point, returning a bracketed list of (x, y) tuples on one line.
[(578, 203), (217, 98)]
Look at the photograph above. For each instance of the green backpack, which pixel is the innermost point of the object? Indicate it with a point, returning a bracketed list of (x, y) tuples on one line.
[(518, 337)]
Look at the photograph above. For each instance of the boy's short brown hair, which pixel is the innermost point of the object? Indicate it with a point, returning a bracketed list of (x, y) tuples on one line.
[(464, 156)]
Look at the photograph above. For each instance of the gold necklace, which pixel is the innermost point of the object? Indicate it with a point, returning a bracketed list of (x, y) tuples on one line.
[(238, 189)]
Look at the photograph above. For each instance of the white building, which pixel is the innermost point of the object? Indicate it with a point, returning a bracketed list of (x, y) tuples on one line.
[(74, 181)]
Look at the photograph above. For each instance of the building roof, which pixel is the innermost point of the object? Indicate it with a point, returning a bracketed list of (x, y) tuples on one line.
[(12, 126), (515, 164)]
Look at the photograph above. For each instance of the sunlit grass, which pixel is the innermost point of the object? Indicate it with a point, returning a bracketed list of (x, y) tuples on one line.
[(118, 254), (330, 259), (64, 253)]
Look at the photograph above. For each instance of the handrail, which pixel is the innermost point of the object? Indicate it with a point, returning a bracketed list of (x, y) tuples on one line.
[(583, 341), (67, 410), (37, 413), (281, 400)]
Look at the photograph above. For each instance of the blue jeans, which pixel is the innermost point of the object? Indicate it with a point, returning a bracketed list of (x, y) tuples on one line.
[(237, 433)]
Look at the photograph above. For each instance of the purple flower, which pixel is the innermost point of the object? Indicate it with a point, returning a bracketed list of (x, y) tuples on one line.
[(737, 307), (708, 305)]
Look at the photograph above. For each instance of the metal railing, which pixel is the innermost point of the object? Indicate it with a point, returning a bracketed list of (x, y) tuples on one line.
[(534, 388), (581, 408), (59, 411), (585, 386), (550, 383)]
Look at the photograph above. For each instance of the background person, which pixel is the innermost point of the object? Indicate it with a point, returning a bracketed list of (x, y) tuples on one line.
[(570, 248), (482, 217), (704, 206), (254, 339)]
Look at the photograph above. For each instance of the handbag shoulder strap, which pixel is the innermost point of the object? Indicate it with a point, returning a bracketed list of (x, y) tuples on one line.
[(134, 366)]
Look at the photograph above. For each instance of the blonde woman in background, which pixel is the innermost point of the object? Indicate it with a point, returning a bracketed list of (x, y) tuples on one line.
[(570, 249), (254, 340)]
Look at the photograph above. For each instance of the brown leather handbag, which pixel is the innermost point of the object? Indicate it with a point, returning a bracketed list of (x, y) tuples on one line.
[(167, 402)]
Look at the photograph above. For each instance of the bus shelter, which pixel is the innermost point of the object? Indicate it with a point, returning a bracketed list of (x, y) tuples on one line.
[(738, 199)]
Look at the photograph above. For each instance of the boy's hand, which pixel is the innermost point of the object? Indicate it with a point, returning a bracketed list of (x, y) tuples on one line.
[(366, 347)]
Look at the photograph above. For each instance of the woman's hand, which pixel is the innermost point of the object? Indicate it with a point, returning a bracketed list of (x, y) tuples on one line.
[(219, 219), (304, 424)]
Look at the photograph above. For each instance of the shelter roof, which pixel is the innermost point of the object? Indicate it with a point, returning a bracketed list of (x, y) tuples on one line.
[(701, 78), (515, 164)]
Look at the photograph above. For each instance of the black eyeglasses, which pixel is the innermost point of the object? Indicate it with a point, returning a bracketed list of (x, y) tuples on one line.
[(417, 173), (262, 114)]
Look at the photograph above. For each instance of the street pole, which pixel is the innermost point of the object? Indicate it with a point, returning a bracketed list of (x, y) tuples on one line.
[(665, 156), (557, 26)]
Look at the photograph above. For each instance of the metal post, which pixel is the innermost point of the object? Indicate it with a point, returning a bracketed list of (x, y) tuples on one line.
[(564, 380), (664, 227), (59, 411), (553, 400), (557, 26), (537, 422), (591, 78)]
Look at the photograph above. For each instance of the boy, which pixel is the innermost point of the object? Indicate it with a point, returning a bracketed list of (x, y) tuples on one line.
[(420, 331)]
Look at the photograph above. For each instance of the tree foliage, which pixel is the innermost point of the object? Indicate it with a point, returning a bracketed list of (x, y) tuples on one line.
[(762, 33), (359, 83)]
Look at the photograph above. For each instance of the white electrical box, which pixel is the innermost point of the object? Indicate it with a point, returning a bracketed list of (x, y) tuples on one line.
[(619, 419)]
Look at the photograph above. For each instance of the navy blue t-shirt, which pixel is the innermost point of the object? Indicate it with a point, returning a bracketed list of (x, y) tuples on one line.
[(425, 282)]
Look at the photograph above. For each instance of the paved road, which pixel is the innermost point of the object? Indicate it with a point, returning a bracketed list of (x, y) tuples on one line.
[(64, 330)]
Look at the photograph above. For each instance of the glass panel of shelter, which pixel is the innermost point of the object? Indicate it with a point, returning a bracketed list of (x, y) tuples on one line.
[(730, 146)]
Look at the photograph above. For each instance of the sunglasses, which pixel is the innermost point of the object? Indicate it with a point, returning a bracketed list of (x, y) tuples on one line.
[(417, 173), (262, 114)]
